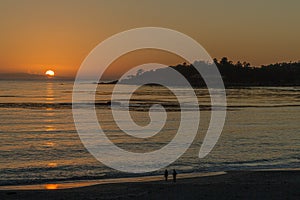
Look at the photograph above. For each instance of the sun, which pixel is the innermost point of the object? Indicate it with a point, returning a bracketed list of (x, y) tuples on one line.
[(50, 73)]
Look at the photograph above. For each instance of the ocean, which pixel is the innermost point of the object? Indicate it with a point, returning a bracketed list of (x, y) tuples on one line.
[(39, 142)]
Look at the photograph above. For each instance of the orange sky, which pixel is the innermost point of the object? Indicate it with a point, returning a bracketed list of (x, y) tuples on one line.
[(54, 34)]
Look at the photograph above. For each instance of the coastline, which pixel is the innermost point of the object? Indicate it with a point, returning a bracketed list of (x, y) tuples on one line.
[(253, 184), (85, 183)]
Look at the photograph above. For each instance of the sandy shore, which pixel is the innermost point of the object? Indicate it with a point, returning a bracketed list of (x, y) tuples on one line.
[(276, 184)]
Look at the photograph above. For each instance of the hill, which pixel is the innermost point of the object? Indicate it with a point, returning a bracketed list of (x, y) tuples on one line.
[(233, 74), (29, 77)]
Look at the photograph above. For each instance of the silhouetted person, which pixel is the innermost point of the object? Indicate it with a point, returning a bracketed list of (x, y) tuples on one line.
[(166, 175), (174, 175)]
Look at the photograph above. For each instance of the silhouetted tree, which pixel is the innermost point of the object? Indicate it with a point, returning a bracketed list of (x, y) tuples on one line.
[(239, 74)]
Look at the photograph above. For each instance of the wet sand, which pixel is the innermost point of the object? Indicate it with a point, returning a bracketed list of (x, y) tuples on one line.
[(267, 184)]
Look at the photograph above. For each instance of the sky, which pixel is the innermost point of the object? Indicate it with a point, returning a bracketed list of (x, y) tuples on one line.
[(58, 34)]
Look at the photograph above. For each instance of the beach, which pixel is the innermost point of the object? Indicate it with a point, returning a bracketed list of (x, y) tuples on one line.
[(265, 184), (113, 100)]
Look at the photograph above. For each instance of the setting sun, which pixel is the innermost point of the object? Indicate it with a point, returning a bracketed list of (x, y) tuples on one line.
[(50, 73)]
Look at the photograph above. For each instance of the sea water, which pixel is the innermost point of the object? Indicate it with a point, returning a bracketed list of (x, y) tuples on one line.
[(39, 142)]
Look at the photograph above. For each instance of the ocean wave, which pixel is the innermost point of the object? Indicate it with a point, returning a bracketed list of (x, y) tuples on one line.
[(134, 106)]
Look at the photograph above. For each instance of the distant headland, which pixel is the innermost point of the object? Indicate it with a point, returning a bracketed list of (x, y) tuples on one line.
[(239, 74), (32, 77)]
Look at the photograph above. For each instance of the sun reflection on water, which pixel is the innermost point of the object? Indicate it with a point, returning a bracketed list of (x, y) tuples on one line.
[(50, 93), (50, 128), (49, 144), (52, 164), (51, 186)]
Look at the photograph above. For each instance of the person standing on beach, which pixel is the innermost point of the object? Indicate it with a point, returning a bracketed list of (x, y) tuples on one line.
[(174, 175), (166, 175)]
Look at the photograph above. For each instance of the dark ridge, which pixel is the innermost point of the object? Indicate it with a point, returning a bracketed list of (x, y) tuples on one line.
[(233, 74), (109, 82), (31, 77)]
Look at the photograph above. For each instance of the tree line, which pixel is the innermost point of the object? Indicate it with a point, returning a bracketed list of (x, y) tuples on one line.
[(233, 74), (278, 74)]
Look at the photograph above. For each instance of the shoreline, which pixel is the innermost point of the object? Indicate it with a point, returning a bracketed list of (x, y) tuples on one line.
[(59, 185), (251, 184), (85, 183)]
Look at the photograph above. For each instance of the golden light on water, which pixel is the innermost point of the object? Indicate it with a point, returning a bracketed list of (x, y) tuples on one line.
[(52, 164), (51, 186), (50, 128), (49, 144), (50, 73)]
